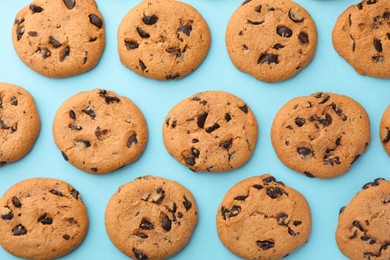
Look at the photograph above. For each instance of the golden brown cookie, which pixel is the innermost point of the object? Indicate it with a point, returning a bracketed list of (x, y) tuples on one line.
[(163, 39), (211, 131), (271, 39), (151, 218), (59, 38), (320, 135), (42, 218), (261, 218), (361, 36), (19, 123), (99, 131), (384, 131), (363, 231)]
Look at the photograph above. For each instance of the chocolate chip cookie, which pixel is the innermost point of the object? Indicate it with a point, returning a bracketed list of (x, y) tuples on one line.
[(261, 218), (163, 39), (272, 40), (363, 231), (384, 131), (42, 219), (59, 38), (99, 131), (151, 218), (361, 36), (19, 123), (211, 131), (320, 135)]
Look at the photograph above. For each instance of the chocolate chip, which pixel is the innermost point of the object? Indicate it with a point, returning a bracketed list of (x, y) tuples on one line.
[(354, 235), (369, 255), (227, 117), (274, 192), (332, 161), (57, 193), (172, 77), (55, 42), (265, 244), (45, 220), (224, 212), (284, 31), (186, 203), (66, 237), (226, 145), (303, 37), (257, 186), (255, 22), (85, 142), (308, 174), (95, 20), (234, 211), (291, 232), (342, 210), (371, 2), (300, 121), (268, 58), (146, 225), (16, 202), (295, 17), (212, 128), (166, 223), (72, 114), (245, 2), (75, 127), (357, 225), (368, 239), (189, 160), (65, 53), (360, 6), (278, 46), (142, 65), (378, 45), (324, 99), (304, 151), (7, 216), (297, 222), (94, 169), (70, 4), (141, 235), (195, 152), (194, 141), (201, 119), (325, 121), (258, 9), (132, 140), (19, 21), (33, 33), (92, 39), (108, 99), (378, 59), (244, 108), (139, 255), (269, 179), (36, 9), (19, 230), (241, 197), (14, 101), (355, 158), (149, 20), (161, 198), (19, 32), (281, 219), (89, 111), (142, 33), (186, 29)]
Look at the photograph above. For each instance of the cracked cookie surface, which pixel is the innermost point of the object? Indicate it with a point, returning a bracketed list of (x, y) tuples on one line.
[(99, 131), (363, 230), (59, 38), (19, 123), (384, 130), (272, 40), (261, 218), (320, 135), (361, 36), (151, 218), (163, 39), (42, 218), (211, 131)]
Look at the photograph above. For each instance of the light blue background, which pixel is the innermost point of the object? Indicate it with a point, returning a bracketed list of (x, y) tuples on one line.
[(327, 72)]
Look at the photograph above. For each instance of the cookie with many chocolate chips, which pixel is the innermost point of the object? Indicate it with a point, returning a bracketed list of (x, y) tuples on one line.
[(361, 36), (261, 218), (384, 131), (320, 135), (42, 218), (19, 123), (211, 131), (272, 40), (163, 39), (59, 38), (151, 218), (363, 230), (99, 131)]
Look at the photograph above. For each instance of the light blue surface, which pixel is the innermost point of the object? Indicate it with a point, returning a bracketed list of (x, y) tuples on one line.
[(327, 72)]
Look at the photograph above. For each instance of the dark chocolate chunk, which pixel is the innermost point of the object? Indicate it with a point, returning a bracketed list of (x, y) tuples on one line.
[(226, 145), (99, 132), (45, 53), (94, 169), (70, 4), (268, 58), (234, 211), (296, 18), (368, 239), (224, 212), (278, 46), (45, 220), (354, 235), (227, 117), (284, 31), (258, 9), (161, 198), (291, 232), (19, 21), (55, 42), (378, 59), (141, 235), (139, 255), (172, 77), (7, 216), (33, 33), (95, 20), (65, 53), (281, 219), (19, 32), (342, 210), (371, 2), (297, 222), (142, 65), (66, 237), (93, 39), (360, 6), (274, 192), (325, 121), (132, 140), (186, 203), (304, 151), (244, 108), (75, 127), (212, 128), (332, 161), (75, 194), (245, 2), (265, 244), (255, 22), (355, 158), (303, 37), (89, 111), (378, 45), (146, 225), (358, 225), (166, 223), (16, 202), (108, 99), (190, 160), (368, 255), (19, 230), (300, 121), (86, 143), (131, 45), (142, 33), (57, 193), (201, 119), (257, 186), (72, 114), (186, 29), (241, 197), (36, 9), (387, 138), (308, 174), (149, 20), (195, 140), (269, 179), (195, 152)]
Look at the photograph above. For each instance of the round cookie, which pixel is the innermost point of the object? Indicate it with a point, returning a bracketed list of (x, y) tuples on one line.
[(211, 131), (272, 40), (320, 135), (261, 218), (384, 131), (19, 123), (151, 218), (361, 36), (59, 38), (42, 218), (363, 230), (99, 131), (163, 39)]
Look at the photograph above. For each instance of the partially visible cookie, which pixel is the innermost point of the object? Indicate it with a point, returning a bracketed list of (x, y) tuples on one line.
[(42, 218), (99, 131), (361, 36), (320, 135), (261, 218), (19, 123), (384, 131), (272, 40), (163, 39), (363, 231), (151, 218), (59, 38), (211, 131)]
